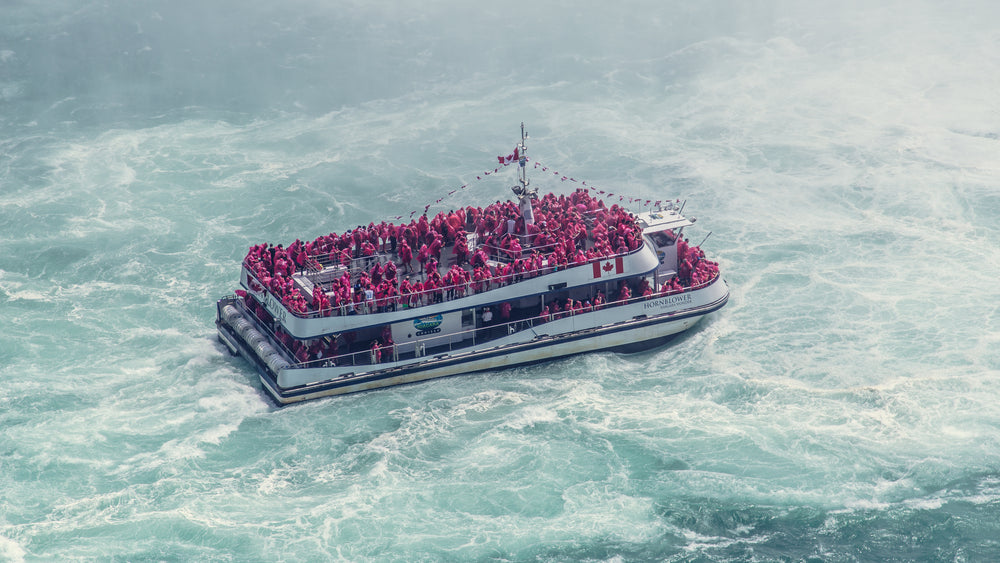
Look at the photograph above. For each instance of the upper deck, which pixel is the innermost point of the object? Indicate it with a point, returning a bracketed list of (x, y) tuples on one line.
[(466, 258), (356, 315)]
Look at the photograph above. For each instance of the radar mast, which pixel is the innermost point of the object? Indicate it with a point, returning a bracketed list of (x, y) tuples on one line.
[(521, 190)]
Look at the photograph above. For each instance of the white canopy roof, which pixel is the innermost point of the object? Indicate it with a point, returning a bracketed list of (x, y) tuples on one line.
[(656, 221)]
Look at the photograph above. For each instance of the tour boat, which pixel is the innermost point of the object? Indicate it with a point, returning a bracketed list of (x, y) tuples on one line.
[(470, 290)]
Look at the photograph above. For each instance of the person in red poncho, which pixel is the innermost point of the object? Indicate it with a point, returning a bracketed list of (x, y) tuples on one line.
[(505, 311)]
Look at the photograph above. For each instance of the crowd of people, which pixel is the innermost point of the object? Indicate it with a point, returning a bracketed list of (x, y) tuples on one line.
[(387, 266), (508, 249), (693, 270)]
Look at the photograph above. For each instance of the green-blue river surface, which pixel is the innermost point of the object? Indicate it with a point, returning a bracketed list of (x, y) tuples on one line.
[(845, 158)]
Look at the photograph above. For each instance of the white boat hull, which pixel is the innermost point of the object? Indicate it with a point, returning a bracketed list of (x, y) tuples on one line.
[(638, 324)]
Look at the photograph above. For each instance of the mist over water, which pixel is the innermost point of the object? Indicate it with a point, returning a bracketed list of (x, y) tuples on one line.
[(841, 407)]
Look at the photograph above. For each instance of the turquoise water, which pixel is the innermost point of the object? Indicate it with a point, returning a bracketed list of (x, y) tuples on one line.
[(842, 407)]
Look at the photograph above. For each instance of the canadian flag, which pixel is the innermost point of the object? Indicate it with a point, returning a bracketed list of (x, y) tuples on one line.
[(608, 267), (505, 160)]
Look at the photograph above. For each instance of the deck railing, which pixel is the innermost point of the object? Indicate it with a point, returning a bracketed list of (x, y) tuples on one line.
[(446, 344), (435, 295)]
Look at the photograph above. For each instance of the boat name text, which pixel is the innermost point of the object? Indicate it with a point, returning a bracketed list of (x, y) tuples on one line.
[(683, 299), (275, 307)]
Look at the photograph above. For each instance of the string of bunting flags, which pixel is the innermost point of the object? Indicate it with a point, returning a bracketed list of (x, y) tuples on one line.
[(505, 161), (621, 198)]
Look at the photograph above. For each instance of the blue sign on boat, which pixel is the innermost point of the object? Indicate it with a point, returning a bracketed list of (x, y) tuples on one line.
[(428, 323)]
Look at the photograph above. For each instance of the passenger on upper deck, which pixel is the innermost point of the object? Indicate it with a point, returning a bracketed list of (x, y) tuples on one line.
[(573, 229)]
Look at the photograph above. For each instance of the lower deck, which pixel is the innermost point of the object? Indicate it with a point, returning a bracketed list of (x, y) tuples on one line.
[(413, 337), (630, 323)]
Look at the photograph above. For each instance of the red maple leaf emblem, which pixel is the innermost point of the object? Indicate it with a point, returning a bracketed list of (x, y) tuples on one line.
[(608, 266)]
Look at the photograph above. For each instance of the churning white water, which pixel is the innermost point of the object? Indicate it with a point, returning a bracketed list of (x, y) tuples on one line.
[(842, 407)]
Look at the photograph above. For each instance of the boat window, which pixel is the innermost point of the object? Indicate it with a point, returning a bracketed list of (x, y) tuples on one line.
[(663, 238)]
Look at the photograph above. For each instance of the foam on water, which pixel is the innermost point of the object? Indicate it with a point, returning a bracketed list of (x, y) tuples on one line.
[(841, 407)]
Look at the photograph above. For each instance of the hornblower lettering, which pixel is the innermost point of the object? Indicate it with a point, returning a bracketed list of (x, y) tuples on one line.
[(669, 301), (275, 307)]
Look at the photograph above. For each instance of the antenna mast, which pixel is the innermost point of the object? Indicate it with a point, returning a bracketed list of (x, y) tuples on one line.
[(523, 193)]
